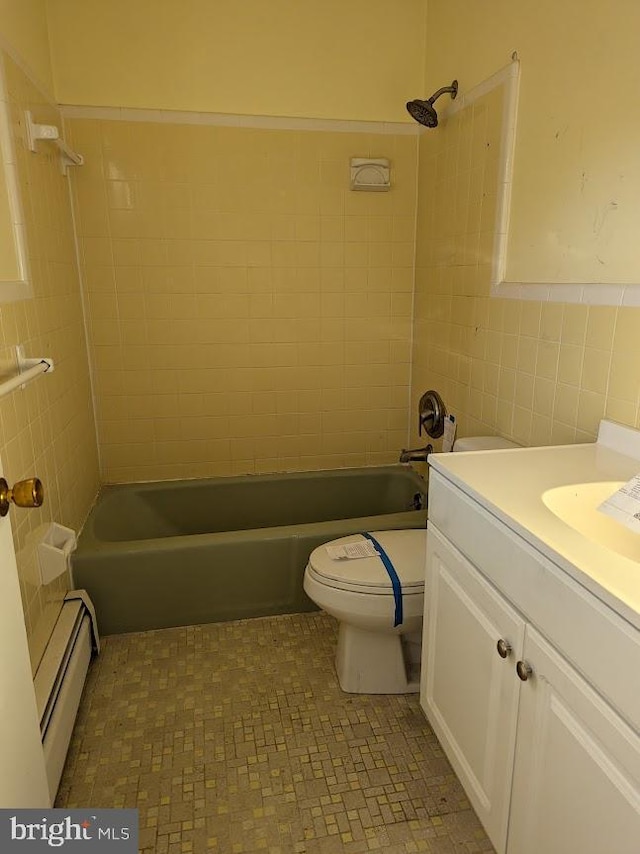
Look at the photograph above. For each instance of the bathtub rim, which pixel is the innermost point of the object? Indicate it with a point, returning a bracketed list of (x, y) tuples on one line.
[(88, 541), (187, 482), (91, 545)]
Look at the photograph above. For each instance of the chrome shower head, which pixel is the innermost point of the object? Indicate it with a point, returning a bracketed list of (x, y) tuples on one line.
[(424, 112)]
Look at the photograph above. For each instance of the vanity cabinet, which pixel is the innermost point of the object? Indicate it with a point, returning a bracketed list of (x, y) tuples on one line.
[(543, 738), (468, 689), (576, 781)]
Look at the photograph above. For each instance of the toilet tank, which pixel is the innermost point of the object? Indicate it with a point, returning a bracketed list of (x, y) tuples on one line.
[(483, 443)]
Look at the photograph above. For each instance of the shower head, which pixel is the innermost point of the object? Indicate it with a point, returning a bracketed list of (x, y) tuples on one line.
[(424, 112)]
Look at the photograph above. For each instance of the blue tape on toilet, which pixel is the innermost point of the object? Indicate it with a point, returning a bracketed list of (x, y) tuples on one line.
[(393, 575)]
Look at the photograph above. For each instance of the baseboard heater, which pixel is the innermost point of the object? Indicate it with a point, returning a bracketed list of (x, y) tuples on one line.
[(59, 681)]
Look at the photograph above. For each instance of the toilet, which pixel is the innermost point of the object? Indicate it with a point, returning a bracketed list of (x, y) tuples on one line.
[(379, 648)]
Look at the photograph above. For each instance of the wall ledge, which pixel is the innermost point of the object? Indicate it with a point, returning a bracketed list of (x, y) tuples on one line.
[(126, 114)]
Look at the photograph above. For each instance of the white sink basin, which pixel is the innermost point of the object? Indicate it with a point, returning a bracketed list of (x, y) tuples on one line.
[(576, 504)]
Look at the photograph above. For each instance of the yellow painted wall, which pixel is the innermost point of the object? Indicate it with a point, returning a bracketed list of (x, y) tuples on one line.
[(539, 373), (23, 28), (247, 311), (576, 199), (46, 429), (320, 58)]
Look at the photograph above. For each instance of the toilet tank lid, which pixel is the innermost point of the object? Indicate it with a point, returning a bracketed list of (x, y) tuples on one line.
[(483, 443)]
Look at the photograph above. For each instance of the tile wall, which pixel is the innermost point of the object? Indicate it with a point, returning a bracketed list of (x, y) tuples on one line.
[(537, 372), (46, 430), (247, 311)]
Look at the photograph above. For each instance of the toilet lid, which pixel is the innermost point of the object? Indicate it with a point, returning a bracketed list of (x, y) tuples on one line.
[(406, 550)]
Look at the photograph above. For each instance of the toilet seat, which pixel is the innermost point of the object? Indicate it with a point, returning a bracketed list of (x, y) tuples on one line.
[(405, 548)]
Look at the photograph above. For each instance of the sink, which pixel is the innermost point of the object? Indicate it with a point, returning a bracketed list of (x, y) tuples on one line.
[(576, 505)]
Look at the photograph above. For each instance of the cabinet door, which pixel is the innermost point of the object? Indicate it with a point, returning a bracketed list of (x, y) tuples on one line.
[(576, 787), (469, 692)]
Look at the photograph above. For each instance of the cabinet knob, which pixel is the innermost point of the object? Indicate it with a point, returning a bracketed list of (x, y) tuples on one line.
[(524, 670), (503, 647)]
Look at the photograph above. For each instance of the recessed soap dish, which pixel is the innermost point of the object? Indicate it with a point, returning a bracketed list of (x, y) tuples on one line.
[(372, 175)]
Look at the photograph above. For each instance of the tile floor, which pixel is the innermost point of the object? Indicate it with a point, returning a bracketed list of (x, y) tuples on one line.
[(235, 738)]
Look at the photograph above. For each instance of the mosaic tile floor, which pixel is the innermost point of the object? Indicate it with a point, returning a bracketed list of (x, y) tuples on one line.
[(235, 738)]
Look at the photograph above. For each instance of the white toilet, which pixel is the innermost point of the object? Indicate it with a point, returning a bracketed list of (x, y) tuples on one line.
[(374, 656)]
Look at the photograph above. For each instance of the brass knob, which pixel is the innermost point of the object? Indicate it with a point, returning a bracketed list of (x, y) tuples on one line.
[(524, 670), (503, 647), (25, 493)]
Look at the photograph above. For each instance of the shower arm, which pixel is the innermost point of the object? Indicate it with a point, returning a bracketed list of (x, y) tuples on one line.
[(443, 91)]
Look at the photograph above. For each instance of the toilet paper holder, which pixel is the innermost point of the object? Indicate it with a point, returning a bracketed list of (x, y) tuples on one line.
[(54, 552)]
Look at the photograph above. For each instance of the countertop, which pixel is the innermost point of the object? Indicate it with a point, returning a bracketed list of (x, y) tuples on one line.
[(510, 485)]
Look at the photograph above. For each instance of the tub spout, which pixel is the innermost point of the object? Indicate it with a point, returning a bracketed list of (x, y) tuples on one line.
[(415, 455)]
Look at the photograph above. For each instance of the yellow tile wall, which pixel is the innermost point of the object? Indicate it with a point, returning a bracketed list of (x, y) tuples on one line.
[(539, 373), (47, 429), (247, 311)]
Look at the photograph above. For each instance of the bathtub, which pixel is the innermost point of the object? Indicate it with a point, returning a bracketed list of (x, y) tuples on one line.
[(178, 553)]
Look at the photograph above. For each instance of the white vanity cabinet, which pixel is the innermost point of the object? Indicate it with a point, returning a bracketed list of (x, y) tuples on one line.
[(576, 783), (468, 688), (532, 686)]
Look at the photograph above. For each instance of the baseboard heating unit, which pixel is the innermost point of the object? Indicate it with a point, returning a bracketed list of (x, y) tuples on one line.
[(59, 681)]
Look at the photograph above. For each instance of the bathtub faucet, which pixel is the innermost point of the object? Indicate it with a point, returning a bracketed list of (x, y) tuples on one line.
[(415, 455)]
